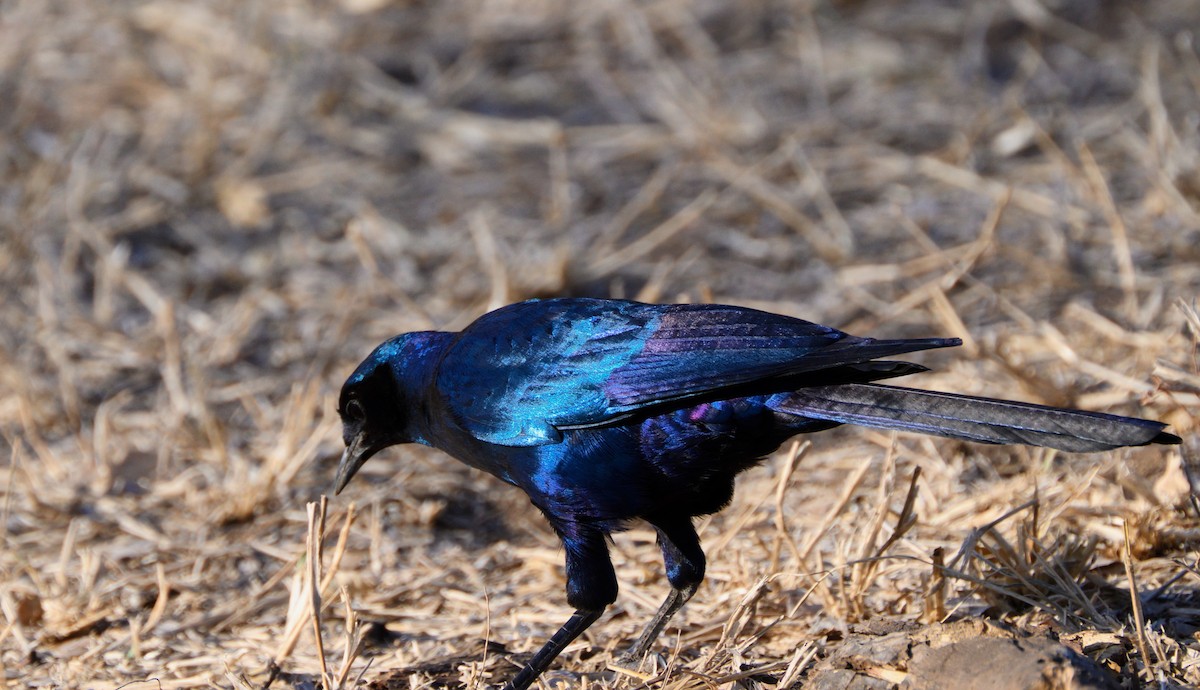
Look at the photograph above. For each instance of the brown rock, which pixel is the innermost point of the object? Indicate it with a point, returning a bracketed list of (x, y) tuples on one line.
[(997, 663), (965, 655)]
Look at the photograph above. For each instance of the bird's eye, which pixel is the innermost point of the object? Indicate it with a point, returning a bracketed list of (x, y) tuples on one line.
[(354, 410)]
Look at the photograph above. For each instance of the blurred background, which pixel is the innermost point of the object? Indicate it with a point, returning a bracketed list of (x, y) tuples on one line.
[(211, 211)]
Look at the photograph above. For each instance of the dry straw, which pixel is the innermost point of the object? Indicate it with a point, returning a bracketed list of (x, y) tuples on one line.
[(210, 211)]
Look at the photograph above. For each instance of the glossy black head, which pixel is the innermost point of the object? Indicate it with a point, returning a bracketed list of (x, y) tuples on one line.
[(372, 409)]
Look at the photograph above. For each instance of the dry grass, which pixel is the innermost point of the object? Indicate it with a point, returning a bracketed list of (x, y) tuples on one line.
[(209, 211)]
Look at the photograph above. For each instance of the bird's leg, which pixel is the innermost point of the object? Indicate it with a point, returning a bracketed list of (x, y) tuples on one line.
[(675, 600), (684, 561), (575, 625), (591, 587)]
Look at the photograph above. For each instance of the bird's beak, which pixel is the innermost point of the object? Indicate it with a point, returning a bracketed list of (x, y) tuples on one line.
[(353, 457)]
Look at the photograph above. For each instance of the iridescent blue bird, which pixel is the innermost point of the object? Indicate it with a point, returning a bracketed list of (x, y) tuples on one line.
[(606, 411)]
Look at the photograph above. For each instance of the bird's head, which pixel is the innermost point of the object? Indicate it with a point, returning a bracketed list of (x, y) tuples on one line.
[(373, 408)]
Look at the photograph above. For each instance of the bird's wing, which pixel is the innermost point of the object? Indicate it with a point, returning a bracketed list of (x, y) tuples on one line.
[(519, 375)]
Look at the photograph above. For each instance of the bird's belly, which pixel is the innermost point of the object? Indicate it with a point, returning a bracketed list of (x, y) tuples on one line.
[(593, 475), (679, 462)]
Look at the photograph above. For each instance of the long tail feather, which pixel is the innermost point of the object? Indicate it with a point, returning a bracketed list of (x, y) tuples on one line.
[(983, 420)]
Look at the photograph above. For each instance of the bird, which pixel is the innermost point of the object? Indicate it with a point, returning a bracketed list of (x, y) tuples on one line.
[(605, 412)]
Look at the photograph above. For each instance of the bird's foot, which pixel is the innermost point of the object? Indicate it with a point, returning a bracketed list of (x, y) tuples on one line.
[(641, 668), (567, 680), (630, 660)]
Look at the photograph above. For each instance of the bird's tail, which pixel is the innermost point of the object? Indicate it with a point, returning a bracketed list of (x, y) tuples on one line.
[(983, 420)]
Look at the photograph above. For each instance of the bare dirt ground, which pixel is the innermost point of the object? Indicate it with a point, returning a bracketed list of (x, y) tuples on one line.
[(210, 211)]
